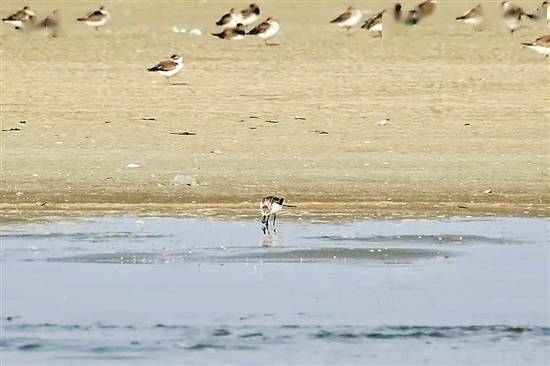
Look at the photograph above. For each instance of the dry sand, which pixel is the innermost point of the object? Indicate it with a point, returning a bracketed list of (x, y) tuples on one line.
[(469, 112)]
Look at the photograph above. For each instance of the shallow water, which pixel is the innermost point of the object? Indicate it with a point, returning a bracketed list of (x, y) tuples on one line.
[(161, 290)]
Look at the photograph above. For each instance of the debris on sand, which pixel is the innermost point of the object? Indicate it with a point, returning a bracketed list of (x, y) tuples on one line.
[(299, 118), (195, 32), (183, 133), (148, 119), (176, 29), (11, 129), (271, 121), (184, 180), (488, 191), (133, 165), (383, 122), (320, 132)]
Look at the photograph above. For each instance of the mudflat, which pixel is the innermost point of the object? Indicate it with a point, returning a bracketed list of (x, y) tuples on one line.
[(468, 113)]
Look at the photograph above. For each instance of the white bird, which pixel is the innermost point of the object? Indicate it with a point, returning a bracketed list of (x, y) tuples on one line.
[(266, 30), (349, 18)]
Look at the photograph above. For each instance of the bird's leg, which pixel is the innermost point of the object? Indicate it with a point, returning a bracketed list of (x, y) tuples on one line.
[(274, 218), (96, 28), (380, 34), (349, 31)]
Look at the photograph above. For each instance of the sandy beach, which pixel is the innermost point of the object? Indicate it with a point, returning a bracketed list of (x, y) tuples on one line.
[(468, 113)]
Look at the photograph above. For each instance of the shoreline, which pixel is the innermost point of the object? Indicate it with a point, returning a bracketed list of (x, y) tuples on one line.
[(21, 213)]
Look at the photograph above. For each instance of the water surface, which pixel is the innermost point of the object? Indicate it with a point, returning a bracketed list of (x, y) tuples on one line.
[(162, 290)]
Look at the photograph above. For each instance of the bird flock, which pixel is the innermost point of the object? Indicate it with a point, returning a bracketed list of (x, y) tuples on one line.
[(236, 25)]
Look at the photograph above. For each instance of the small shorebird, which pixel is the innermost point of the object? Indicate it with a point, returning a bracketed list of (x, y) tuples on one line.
[(266, 30), (397, 12), (540, 45), (348, 19), (412, 17), (511, 14), (421, 11), (169, 67), (374, 23), (473, 16), (232, 34), (21, 19), (51, 24), (96, 18), (271, 206), (426, 8), (250, 14), (229, 20)]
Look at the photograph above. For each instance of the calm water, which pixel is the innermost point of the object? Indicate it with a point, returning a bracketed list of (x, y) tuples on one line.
[(166, 291)]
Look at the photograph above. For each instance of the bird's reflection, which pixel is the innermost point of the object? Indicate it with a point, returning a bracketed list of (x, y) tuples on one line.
[(269, 239)]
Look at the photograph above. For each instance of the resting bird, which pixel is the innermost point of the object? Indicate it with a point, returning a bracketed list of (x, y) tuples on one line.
[(169, 67), (232, 34), (540, 45), (22, 19), (229, 20), (473, 16), (96, 18), (348, 19), (374, 24), (266, 30), (250, 14)]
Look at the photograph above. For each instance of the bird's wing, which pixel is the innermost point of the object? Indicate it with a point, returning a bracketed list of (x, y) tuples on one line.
[(167, 65), (262, 28), (342, 17)]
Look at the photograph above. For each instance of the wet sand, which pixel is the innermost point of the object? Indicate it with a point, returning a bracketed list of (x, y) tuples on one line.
[(468, 113)]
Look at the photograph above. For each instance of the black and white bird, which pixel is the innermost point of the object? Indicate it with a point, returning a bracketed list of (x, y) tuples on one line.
[(375, 24), (21, 19), (271, 206)]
